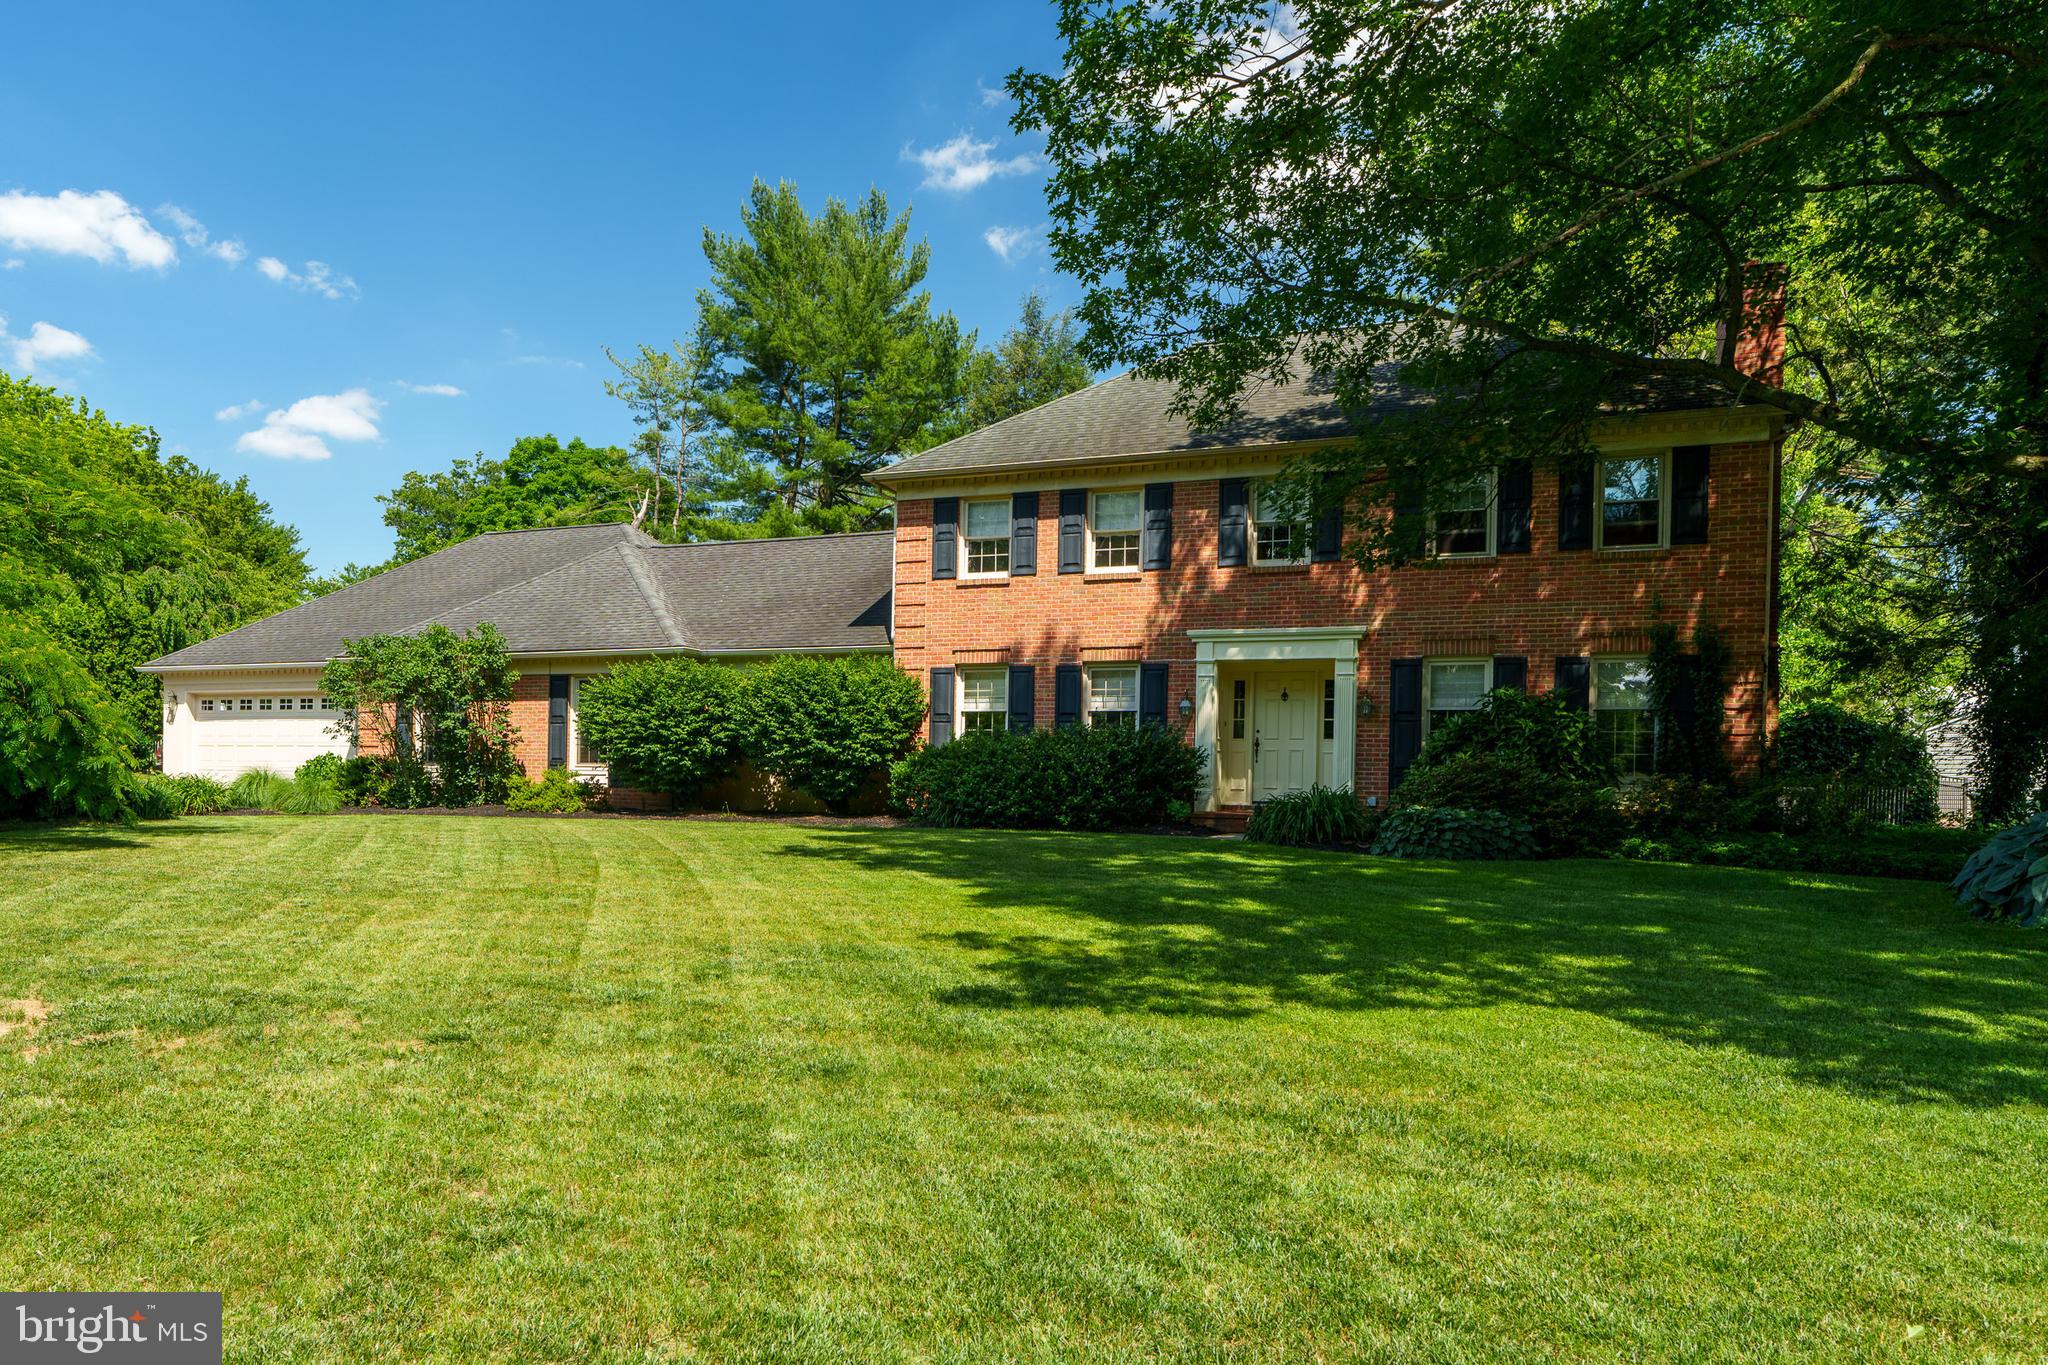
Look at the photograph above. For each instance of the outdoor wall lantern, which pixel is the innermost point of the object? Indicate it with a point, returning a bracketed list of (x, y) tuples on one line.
[(1187, 708), (1364, 704)]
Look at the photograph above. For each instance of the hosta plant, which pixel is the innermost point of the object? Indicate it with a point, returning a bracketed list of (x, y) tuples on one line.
[(2008, 877)]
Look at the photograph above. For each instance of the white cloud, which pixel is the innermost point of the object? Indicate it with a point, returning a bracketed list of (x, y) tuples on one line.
[(562, 361), (1011, 243), (965, 164), (194, 234), (235, 412), (101, 225), (319, 278), (296, 432), (437, 390), (13, 263), (992, 99), (45, 341)]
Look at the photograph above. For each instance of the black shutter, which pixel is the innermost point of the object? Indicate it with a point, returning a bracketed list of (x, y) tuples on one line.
[(1575, 507), (1411, 519), (1073, 529), (1066, 695), (1024, 534), (1689, 495), (1231, 519), (945, 537), (558, 720), (1515, 494), (1158, 541), (1575, 680), (1151, 694), (942, 705), (1404, 718), (1023, 696), (1511, 670), (1329, 529)]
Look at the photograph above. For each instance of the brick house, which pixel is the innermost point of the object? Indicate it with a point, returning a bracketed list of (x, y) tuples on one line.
[(1096, 561)]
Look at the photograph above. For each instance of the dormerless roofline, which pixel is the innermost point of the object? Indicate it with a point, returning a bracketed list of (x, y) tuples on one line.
[(686, 651)]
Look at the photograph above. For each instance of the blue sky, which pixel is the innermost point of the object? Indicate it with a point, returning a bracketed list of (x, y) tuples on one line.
[(337, 213)]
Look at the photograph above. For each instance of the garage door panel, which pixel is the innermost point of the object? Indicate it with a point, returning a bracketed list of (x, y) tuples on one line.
[(229, 738)]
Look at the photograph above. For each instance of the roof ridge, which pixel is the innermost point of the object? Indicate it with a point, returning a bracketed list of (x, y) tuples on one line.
[(527, 530), (657, 600), (765, 540), (515, 583)]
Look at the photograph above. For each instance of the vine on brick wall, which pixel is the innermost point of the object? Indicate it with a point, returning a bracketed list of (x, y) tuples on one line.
[(1688, 694)]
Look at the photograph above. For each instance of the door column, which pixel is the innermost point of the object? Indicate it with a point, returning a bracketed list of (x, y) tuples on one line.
[(1205, 724), (1344, 739)]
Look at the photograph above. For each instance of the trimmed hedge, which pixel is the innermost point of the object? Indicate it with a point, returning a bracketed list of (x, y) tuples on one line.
[(825, 726), (1538, 732), (666, 725), (1073, 777), (1566, 816), (556, 793)]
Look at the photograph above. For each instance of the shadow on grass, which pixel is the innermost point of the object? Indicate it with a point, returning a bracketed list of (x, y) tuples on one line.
[(30, 836), (1879, 988)]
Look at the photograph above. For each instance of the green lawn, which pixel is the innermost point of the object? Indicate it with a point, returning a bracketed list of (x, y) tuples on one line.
[(458, 1089)]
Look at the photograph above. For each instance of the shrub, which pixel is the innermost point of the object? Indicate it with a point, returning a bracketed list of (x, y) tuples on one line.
[(1321, 817), (1540, 733), (64, 749), (1449, 833), (1658, 807), (360, 781), (1921, 853), (826, 726), (258, 789), (322, 767), (556, 793), (160, 797), (311, 794), (2008, 877), (436, 697), (1566, 816), (1069, 778), (666, 725), (1827, 762)]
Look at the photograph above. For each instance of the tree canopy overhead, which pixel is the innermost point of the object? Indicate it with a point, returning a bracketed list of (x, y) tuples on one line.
[(1523, 204)]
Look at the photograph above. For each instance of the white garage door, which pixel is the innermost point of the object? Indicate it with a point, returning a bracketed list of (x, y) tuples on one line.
[(233, 733)]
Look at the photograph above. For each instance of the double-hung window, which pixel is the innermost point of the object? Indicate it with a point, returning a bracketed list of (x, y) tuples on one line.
[(1454, 686), (986, 530), (1460, 524), (1631, 503), (587, 753), (984, 704), (1115, 519), (1623, 723), (1279, 523), (1113, 696)]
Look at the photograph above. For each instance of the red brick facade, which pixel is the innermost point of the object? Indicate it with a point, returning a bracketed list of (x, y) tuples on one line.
[(1539, 605)]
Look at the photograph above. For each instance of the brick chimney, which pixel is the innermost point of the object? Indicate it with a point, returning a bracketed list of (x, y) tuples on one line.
[(1760, 349)]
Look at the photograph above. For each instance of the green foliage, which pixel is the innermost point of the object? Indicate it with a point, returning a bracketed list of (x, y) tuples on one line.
[(540, 482), (1037, 361), (65, 749), (1074, 777), (316, 793), (826, 726), (258, 789), (160, 797), (1448, 833), (1321, 817), (1924, 853), (666, 725), (2007, 879), (1824, 748), (1538, 732), (436, 697), (321, 768), (362, 781), (1688, 694), (1529, 208), (1567, 816), (115, 553), (1660, 807), (556, 793)]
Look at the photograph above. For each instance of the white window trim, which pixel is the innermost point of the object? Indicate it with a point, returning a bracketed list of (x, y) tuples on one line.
[(1593, 707), (1663, 541), (1002, 707), (1429, 687), (1088, 564), (965, 540), (1253, 497), (1489, 518), (576, 765), (1088, 672)]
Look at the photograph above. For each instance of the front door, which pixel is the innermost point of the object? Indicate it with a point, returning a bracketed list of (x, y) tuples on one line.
[(1284, 738)]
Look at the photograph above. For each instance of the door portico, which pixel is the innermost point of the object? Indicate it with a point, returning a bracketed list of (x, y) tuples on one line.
[(1276, 710)]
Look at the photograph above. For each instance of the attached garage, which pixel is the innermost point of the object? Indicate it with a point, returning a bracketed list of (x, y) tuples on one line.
[(222, 729)]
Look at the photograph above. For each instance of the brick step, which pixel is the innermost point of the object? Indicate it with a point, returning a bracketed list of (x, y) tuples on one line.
[(1228, 820)]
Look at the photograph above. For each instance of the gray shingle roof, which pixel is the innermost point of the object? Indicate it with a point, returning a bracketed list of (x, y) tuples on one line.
[(572, 589), (1128, 415)]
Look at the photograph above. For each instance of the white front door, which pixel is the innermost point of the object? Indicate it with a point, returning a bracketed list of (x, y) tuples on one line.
[(1285, 711)]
